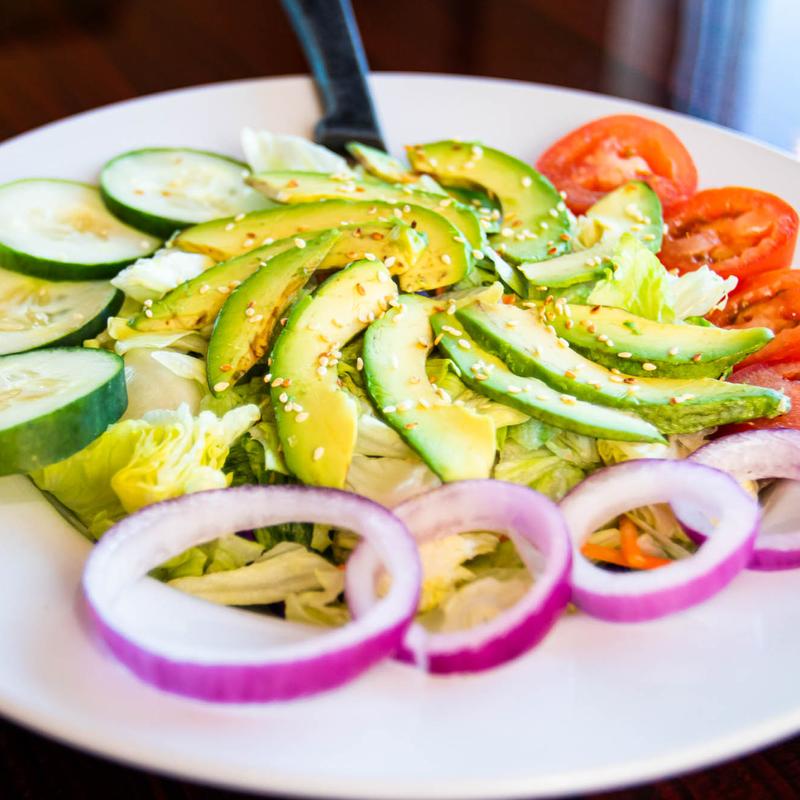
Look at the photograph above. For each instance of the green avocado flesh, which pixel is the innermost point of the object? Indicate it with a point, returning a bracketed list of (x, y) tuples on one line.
[(305, 187), (317, 421), (536, 224), (456, 442), (631, 208), (245, 325), (488, 375), (197, 302), (530, 348), (616, 338), (445, 260)]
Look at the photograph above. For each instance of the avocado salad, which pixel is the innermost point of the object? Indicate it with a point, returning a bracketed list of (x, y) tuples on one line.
[(196, 322)]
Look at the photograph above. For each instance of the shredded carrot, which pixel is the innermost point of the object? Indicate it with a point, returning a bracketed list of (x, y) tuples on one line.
[(509, 299), (629, 555), (631, 552), (598, 552)]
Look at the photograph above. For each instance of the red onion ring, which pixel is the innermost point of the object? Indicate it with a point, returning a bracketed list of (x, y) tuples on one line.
[(752, 456), (151, 536), (537, 529), (632, 597)]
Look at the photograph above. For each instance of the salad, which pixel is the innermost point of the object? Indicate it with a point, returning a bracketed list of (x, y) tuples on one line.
[(439, 400)]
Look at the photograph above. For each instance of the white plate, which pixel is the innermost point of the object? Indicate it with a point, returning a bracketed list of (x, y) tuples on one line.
[(596, 705)]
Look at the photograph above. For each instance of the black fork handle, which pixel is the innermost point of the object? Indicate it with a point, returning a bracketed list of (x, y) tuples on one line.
[(329, 36)]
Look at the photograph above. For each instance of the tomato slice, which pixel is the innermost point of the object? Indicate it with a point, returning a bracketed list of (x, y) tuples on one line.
[(734, 231), (771, 300), (599, 156), (783, 377)]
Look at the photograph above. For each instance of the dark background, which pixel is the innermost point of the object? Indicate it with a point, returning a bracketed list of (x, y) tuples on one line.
[(735, 62)]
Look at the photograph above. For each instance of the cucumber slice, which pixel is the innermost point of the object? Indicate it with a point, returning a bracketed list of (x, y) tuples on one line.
[(163, 189), (62, 231), (37, 313), (55, 402)]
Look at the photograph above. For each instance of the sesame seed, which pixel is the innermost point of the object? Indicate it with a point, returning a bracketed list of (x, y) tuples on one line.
[(405, 405), (697, 357), (409, 426), (624, 355), (514, 389), (511, 323), (221, 386), (452, 331), (204, 288), (229, 226), (388, 262), (477, 254), (464, 344), (568, 399), (318, 453), (147, 303), (553, 213), (673, 351), (389, 409), (481, 376), (249, 312), (526, 181), (360, 289), (541, 396), (359, 363), (507, 232), (268, 240), (543, 225), (277, 382), (283, 397), (648, 367), (223, 289), (448, 201), (226, 368), (446, 259), (298, 242), (283, 321), (424, 403), (595, 384), (321, 371), (148, 313), (302, 416), (268, 377), (616, 379), (648, 237), (568, 373), (370, 256)]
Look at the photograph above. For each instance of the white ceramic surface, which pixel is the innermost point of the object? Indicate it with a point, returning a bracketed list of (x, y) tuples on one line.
[(596, 705)]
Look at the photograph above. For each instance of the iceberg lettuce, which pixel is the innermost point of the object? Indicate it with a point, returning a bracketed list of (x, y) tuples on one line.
[(151, 278), (139, 462), (642, 285)]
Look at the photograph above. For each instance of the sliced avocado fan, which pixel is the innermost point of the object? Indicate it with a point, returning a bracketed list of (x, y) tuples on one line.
[(456, 442), (532, 348), (317, 421)]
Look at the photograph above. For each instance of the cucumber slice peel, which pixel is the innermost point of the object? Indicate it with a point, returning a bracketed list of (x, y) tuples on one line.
[(55, 402), (164, 189), (60, 230), (37, 313)]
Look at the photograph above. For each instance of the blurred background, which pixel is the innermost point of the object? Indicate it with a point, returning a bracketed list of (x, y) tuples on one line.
[(734, 62)]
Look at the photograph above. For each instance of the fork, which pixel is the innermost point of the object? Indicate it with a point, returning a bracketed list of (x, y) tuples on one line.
[(329, 36)]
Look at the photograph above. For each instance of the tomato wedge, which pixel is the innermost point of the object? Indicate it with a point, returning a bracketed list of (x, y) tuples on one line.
[(734, 231), (771, 300), (784, 378), (599, 156)]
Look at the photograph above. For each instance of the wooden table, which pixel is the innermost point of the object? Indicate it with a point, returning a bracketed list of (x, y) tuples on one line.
[(706, 57)]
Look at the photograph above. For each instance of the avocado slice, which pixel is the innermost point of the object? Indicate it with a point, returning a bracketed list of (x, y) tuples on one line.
[(454, 441), (447, 258), (488, 375), (305, 187), (536, 222), (197, 302), (246, 323), (317, 421), (631, 208), (655, 349), (531, 348)]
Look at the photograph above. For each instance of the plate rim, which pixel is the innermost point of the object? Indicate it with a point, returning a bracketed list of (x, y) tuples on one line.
[(723, 748)]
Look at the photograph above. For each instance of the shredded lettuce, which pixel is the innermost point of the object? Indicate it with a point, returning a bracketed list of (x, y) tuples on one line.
[(642, 285), (265, 151), (126, 338), (138, 462), (227, 552), (286, 573), (162, 379), (151, 278)]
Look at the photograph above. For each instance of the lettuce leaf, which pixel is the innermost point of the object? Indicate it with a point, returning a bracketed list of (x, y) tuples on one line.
[(227, 552), (288, 573), (151, 278), (139, 462), (642, 285), (265, 151)]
